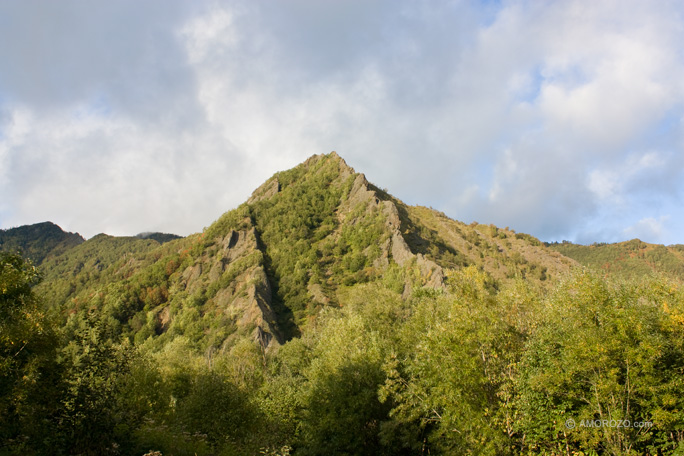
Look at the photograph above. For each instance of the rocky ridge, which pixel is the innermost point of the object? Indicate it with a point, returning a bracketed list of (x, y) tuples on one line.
[(264, 270)]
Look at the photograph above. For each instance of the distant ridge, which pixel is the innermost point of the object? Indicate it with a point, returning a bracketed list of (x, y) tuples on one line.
[(44, 240), (39, 241), (159, 237), (629, 259)]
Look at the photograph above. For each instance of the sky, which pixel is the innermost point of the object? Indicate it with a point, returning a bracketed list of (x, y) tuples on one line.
[(561, 119)]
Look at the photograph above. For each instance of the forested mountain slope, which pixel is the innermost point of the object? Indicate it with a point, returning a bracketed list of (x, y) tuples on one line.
[(629, 259), (324, 316), (267, 268), (38, 241)]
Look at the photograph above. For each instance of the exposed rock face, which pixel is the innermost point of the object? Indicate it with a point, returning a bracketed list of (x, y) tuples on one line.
[(362, 192), (265, 191), (260, 293), (248, 301), (163, 319), (345, 170), (431, 271), (245, 293), (400, 249), (191, 277), (237, 244)]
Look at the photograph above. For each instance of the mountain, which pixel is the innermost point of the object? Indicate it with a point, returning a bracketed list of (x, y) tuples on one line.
[(267, 268), (325, 316), (627, 260), (38, 242)]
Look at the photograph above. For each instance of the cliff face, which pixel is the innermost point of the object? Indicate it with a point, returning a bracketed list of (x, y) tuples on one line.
[(264, 270), (394, 248), (230, 276)]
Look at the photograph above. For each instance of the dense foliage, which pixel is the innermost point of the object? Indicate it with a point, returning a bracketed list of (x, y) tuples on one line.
[(467, 370)]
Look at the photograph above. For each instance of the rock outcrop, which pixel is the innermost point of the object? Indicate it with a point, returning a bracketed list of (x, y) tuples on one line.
[(396, 247), (265, 191), (232, 266)]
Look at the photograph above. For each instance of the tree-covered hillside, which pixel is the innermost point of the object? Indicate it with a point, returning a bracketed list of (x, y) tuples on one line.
[(630, 259), (324, 316), (270, 266), (159, 237), (38, 242), (590, 367)]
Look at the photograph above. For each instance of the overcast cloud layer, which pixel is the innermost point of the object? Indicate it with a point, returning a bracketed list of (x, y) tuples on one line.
[(560, 119)]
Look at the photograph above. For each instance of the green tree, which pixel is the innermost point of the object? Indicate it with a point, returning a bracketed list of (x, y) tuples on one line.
[(200, 404), (29, 374), (343, 412), (612, 352), (93, 420), (281, 398), (448, 375), (214, 408)]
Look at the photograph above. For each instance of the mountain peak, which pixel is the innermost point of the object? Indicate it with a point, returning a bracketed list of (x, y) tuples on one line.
[(330, 163), (333, 157)]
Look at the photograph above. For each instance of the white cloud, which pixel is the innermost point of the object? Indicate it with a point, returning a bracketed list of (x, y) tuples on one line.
[(633, 174), (546, 117), (212, 31), (585, 83), (604, 184), (648, 229), (505, 171)]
